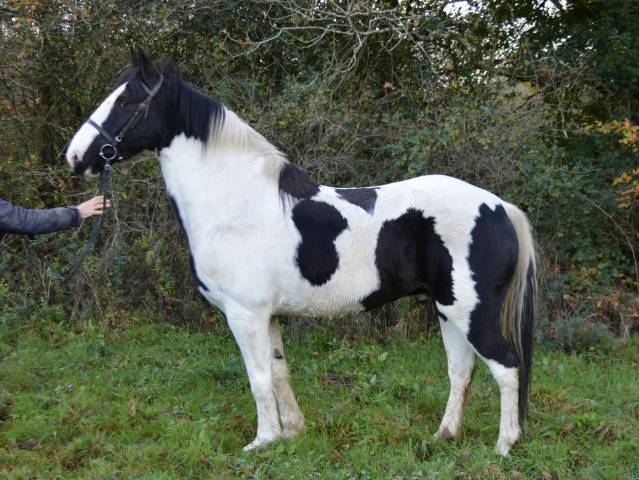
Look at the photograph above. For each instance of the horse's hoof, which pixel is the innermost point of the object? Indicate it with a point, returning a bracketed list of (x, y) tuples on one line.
[(502, 448), (444, 434), (507, 440), (292, 432), (293, 427), (258, 443), (253, 445)]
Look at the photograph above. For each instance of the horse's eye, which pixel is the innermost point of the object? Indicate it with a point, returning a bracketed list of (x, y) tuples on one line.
[(123, 102)]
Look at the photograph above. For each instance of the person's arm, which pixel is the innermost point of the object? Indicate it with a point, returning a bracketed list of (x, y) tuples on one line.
[(26, 221)]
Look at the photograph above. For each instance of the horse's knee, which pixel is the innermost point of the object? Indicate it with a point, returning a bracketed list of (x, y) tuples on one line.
[(262, 385)]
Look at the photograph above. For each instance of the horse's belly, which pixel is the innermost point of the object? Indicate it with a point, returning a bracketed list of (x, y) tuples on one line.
[(319, 304)]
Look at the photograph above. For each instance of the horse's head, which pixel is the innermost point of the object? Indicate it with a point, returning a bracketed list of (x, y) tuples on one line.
[(131, 119)]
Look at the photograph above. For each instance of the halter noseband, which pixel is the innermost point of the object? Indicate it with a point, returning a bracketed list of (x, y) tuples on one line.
[(109, 151)]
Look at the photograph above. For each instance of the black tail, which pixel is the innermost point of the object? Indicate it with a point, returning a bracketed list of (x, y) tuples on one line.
[(527, 334), (518, 310)]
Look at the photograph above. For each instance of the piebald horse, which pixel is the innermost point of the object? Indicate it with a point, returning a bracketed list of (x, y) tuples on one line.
[(265, 240)]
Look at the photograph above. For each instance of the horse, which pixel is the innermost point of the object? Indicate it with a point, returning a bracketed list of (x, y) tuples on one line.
[(266, 241)]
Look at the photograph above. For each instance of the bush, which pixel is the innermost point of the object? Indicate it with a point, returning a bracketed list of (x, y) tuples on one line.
[(526, 115), (576, 334)]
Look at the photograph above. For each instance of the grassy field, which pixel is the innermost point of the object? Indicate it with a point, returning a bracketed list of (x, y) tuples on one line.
[(156, 401)]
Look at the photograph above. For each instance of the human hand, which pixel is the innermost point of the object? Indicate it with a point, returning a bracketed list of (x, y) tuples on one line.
[(92, 207)]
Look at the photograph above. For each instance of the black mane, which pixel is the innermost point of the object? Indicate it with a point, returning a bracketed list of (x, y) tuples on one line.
[(195, 113)]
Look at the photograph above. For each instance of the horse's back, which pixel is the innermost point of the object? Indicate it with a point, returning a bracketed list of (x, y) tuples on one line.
[(437, 194)]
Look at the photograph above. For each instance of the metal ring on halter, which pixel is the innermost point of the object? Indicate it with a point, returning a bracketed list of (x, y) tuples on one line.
[(113, 154)]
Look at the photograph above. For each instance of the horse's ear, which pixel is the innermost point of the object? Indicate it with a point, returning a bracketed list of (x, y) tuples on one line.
[(134, 56), (148, 71)]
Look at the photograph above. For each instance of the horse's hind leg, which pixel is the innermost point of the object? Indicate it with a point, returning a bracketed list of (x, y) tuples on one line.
[(251, 332), (508, 380), (461, 362), (503, 364), (290, 414), (486, 337)]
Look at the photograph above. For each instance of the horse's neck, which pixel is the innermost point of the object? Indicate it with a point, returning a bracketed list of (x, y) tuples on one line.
[(218, 188)]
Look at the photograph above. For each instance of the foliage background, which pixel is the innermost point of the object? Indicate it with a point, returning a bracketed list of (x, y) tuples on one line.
[(533, 100)]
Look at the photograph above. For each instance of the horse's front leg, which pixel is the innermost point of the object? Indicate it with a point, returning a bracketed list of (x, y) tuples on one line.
[(251, 331)]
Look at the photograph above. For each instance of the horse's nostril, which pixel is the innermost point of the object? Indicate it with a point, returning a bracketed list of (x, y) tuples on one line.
[(74, 159)]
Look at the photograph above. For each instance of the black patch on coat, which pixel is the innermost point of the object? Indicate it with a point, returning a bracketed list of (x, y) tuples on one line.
[(277, 354), (492, 259), (191, 261), (319, 224), (364, 198), (295, 182), (411, 259)]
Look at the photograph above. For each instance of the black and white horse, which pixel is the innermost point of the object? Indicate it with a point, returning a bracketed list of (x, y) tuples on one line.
[(267, 241)]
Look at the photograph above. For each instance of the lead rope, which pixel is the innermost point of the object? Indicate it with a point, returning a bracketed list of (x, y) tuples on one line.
[(66, 275), (96, 226)]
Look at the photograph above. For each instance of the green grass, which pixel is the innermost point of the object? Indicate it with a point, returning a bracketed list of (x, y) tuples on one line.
[(156, 401)]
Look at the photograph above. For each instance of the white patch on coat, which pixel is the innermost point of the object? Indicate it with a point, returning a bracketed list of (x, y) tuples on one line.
[(87, 133), (232, 255)]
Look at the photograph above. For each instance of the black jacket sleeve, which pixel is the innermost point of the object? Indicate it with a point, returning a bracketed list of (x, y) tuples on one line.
[(14, 219)]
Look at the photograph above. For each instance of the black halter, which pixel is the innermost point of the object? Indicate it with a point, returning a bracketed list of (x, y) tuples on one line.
[(109, 151)]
